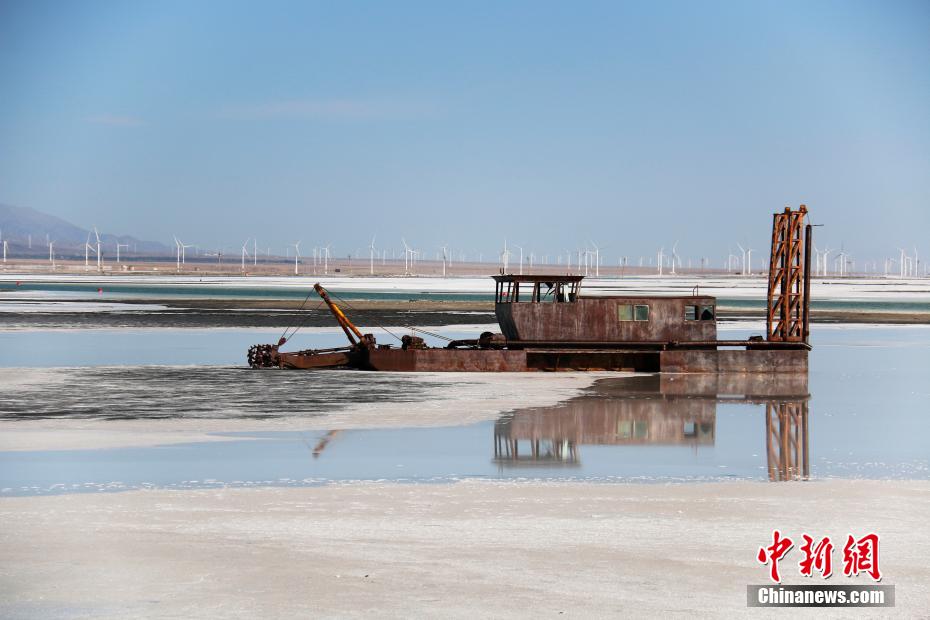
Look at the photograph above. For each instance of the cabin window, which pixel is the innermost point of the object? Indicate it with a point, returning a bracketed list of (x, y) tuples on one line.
[(510, 291), (691, 313), (631, 312), (707, 313), (504, 292), (624, 429), (549, 292)]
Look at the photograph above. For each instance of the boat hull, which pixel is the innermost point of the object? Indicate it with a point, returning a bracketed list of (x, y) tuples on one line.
[(530, 360)]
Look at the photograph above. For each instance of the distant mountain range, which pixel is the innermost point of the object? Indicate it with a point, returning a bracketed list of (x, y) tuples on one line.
[(17, 224)]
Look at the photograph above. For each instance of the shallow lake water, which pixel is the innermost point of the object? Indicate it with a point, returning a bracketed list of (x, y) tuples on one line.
[(863, 413)]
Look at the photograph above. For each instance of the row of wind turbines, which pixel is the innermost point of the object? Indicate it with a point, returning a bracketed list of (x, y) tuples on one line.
[(322, 255), (96, 248), (588, 259), (844, 264)]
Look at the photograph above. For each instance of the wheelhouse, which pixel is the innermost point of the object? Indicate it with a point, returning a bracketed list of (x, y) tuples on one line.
[(537, 289), (551, 308)]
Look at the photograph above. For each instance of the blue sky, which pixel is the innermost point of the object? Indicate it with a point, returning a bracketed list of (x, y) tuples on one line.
[(551, 124)]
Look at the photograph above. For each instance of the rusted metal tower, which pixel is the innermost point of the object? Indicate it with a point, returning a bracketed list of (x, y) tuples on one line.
[(786, 440), (788, 317)]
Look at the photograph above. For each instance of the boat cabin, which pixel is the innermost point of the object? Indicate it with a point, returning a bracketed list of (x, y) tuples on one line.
[(551, 308)]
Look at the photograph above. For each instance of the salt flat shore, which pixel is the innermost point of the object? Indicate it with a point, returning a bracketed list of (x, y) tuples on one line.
[(734, 287), (469, 549)]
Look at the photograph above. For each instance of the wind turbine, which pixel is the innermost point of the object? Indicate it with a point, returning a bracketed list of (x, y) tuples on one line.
[(87, 249), (659, 259), (4, 245), (747, 259), (177, 245), (326, 259), (903, 262), (245, 253), (99, 255), (826, 254), (181, 247), (674, 257), (841, 261), (743, 261), (731, 258), (51, 253), (505, 257), (296, 256), (407, 252), (371, 256), (521, 258), (597, 260), (445, 251), (817, 254)]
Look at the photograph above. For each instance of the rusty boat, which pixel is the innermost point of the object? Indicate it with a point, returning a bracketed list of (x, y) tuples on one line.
[(547, 324)]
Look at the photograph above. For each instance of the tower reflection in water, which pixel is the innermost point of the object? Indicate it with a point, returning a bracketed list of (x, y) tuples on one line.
[(660, 410)]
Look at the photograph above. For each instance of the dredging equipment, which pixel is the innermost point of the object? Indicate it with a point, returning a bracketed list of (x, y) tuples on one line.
[(546, 324)]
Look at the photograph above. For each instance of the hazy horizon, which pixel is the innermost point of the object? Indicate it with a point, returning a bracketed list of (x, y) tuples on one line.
[(629, 125)]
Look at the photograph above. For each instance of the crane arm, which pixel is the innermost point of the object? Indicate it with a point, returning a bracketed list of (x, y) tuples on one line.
[(341, 318)]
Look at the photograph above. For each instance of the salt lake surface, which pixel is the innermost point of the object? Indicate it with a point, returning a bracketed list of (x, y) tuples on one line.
[(867, 416)]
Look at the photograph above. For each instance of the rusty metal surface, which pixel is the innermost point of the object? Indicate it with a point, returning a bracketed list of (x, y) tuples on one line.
[(806, 302), (789, 274), (596, 319), (734, 361), (787, 445), (640, 344), (262, 356), (560, 359), (315, 361), (503, 360), (770, 362), (446, 360), (341, 318), (510, 277)]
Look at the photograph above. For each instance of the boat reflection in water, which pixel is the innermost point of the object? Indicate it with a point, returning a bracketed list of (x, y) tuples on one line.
[(669, 410)]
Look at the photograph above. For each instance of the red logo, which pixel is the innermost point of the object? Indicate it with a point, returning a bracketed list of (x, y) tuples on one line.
[(817, 557), (773, 553), (859, 556)]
